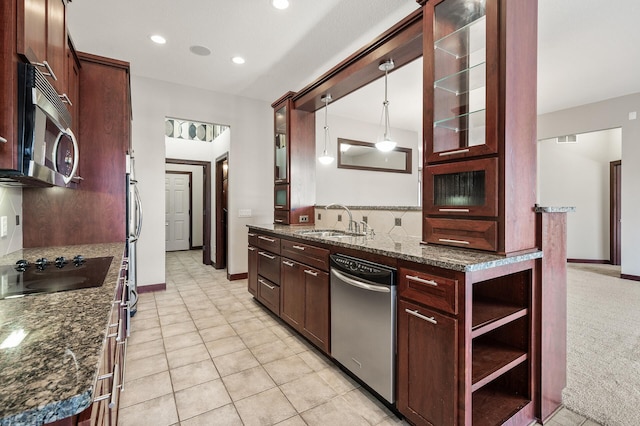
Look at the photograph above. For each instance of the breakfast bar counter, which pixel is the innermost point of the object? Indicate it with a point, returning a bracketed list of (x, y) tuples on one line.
[(51, 373)]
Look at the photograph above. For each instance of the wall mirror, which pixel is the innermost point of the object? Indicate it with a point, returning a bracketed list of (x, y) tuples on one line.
[(360, 155)]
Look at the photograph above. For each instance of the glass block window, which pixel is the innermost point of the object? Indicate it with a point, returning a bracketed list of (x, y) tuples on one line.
[(192, 130)]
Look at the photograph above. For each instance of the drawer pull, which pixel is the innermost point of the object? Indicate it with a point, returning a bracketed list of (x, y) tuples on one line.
[(266, 255), (284, 262), (3, 140), (252, 248), (421, 280), (251, 234), (446, 240), (415, 313), (459, 151), (454, 210), (278, 220), (298, 248), (312, 273), (271, 240), (114, 387), (279, 207), (264, 283)]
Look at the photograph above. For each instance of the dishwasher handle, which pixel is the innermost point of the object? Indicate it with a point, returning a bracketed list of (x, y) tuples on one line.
[(359, 284)]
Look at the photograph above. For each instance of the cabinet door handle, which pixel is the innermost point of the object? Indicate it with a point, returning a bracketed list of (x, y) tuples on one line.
[(271, 240), (264, 283), (49, 72), (415, 313), (284, 262), (3, 140), (279, 220), (114, 388), (312, 273), (459, 151), (261, 253), (65, 99), (252, 248), (421, 280), (279, 207), (298, 248), (251, 234), (446, 240), (454, 210)]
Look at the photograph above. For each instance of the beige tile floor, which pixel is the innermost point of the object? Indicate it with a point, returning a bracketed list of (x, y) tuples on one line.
[(203, 352)]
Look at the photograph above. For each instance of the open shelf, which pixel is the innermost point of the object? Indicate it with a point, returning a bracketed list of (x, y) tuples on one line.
[(489, 314), (465, 40), (464, 81), (493, 406), (491, 359)]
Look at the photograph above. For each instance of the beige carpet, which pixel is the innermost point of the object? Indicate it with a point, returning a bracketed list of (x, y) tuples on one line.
[(603, 345)]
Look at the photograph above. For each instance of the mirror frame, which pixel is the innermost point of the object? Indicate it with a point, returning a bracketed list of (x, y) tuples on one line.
[(408, 157)]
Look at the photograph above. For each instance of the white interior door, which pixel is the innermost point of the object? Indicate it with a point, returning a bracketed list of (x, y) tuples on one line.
[(177, 211)]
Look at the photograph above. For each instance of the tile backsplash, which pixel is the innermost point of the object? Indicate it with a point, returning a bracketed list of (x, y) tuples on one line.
[(11, 206), (383, 220)]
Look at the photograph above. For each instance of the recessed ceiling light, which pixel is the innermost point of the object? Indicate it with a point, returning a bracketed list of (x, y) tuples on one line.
[(158, 39), (200, 50), (280, 4), (238, 60)]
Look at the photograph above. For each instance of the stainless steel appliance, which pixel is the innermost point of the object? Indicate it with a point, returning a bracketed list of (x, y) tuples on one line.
[(47, 149), (44, 276), (363, 321), (133, 229)]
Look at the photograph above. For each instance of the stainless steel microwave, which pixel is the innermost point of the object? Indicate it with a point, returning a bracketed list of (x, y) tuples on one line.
[(46, 147)]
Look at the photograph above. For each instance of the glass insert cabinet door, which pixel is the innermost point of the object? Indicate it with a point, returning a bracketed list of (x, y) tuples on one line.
[(281, 146), (460, 65)]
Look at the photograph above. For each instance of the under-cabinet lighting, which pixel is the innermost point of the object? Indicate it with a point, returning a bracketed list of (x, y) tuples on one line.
[(14, 339)]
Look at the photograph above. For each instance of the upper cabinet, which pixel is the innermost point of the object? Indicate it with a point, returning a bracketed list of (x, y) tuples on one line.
[(42, 38), (480, 61), (294, 163)]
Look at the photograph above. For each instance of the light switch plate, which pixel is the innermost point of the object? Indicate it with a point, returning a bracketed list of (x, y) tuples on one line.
[(3, 226), (244, 213)]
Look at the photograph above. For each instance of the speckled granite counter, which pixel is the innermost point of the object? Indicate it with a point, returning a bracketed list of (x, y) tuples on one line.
[(51, 374), (407, 248)]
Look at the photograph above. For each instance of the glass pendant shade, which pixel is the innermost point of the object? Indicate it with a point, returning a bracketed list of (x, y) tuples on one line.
[(325, 158), (386, 144)]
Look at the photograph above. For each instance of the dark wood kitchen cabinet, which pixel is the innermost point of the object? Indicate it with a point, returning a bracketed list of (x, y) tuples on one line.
[(8, 86), (479, 104), (294, 163), (465, 345), (252, 256)]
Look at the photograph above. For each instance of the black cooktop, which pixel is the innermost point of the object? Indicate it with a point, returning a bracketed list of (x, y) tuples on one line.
[(44, 276)]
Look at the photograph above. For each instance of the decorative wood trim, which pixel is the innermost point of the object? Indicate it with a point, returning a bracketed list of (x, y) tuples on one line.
[(235, 277), (614, 202), (630, 277), (102, 60), (402, 43), (151, 288), (597, 261)]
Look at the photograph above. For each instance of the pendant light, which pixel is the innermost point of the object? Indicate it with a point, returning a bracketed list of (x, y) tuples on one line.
[(325, 158), (386, 144)]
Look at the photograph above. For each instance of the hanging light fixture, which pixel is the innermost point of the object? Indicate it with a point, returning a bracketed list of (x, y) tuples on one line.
[(386, 144), (325, 158)]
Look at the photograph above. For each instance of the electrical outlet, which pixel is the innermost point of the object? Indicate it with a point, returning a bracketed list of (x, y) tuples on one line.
[(319, 216), (339, 218), (398, 221), (3, 226), (304, 218), (365, 219), (17, 220)]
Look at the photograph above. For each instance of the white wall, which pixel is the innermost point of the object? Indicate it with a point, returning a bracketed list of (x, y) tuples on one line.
[(607, 115), (250, 163), (577, 174), (360, 187), (197, 192), (10, 206)]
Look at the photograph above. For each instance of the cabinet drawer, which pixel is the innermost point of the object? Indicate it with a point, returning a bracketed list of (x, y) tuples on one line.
[(281, 217), (304, 253), (475, 234), (430, 290), (269, 294), (269, 266), (268, 243)]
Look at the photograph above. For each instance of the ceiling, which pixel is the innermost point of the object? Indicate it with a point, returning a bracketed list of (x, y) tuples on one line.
[(587, 51)]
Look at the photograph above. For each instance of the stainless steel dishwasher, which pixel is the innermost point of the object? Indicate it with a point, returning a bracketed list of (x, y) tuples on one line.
[(363, 321)]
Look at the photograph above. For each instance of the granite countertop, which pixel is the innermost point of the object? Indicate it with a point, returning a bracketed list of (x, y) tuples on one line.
[(51, 374), (407, 248)]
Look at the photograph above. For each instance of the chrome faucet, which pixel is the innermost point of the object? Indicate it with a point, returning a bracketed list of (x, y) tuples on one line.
[(351, 221)]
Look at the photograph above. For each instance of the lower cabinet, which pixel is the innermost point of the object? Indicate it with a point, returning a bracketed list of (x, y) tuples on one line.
[(427, 365), (252, 279)]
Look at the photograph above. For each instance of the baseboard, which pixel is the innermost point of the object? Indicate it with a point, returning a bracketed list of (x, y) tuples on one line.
[(630, 277), (234, 277), (600, 262), (151, 288)]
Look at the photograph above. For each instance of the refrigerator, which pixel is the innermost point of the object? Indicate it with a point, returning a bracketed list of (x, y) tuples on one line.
[(133, 229)]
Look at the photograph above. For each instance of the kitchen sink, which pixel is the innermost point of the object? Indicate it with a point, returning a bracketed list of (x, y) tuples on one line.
[(332, 233)]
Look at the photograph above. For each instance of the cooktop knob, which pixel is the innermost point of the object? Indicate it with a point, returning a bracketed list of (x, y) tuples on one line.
[(21, 265), (60, 262), (42, 263), (78, 260)]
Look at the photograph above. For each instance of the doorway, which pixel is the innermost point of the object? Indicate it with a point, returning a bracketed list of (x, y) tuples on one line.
[(222, 199), (206, 210), (178, 210), (615, 192)]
